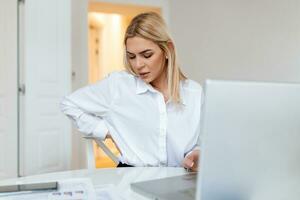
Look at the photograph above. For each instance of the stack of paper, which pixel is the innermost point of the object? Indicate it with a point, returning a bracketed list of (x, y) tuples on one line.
[(72, 189)]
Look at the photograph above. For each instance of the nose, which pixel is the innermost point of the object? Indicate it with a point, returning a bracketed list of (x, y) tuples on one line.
[(139, 63)]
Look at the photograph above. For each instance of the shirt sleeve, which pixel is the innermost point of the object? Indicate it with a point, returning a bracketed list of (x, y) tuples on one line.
[(200, 137), (198, 145), (88, 106)]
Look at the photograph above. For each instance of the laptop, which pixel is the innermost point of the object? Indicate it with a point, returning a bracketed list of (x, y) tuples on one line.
[(250, 147)]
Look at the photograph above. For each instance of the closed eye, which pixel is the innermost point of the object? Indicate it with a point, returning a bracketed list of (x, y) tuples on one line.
[(148, 55), (130, 55)]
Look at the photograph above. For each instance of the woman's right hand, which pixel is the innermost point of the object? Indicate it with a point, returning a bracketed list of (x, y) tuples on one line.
[(191, 161)]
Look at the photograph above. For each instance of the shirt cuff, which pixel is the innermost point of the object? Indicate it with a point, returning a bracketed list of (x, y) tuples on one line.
[(101, 130)]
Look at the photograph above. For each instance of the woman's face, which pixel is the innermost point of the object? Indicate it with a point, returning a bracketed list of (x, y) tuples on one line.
[(146, 58)]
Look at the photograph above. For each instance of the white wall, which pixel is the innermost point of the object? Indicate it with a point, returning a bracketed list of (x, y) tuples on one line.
[(238, 39)]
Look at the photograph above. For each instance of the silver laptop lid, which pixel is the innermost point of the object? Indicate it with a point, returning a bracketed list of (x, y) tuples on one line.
[(250, 142)]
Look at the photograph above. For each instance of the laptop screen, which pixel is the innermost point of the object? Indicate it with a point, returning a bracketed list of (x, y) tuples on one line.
[(250, 140)]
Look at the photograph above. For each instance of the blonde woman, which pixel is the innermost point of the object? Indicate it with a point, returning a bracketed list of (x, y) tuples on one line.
[(151, 110)]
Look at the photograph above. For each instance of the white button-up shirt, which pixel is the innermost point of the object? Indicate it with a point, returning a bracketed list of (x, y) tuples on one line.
[(147, 130)]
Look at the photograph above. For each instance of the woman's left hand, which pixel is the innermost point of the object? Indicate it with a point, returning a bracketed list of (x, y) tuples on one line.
[(191, 161)]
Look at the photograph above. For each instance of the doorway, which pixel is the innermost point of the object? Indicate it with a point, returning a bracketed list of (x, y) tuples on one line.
[(107, 25)]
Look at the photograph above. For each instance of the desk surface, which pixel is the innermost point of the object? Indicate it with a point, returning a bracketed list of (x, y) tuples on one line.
[(119, 177)]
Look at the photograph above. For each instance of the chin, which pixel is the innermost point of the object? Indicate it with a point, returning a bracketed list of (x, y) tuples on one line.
[(147, 80)]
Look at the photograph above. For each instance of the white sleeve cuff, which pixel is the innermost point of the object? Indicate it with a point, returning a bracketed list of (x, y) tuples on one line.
[(100, 130)]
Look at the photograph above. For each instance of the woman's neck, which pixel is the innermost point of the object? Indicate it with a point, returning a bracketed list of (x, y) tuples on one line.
[(161, 83)]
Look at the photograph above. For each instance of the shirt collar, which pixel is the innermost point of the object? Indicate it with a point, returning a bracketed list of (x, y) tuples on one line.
[(142, 87)]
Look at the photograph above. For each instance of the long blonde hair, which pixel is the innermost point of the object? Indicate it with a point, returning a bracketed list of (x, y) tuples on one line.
[(151, 26)]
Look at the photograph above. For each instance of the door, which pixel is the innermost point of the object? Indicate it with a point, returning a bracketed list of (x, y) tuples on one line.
[(45, 132), (8, 89)]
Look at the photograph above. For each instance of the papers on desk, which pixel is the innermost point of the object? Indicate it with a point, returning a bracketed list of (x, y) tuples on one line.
[(108, 192), (72, 189), (80, 189)]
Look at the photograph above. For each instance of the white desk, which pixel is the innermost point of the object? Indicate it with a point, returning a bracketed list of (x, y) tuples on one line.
[(119, 177)]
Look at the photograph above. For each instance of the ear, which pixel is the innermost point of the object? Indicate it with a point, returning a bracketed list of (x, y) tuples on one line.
[(170, 46)]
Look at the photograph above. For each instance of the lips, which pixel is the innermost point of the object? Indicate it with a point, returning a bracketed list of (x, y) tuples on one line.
[(144, 74)]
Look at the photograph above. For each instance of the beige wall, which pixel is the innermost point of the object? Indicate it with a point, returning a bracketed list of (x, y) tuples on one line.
[(245, 39), (164, 5), (111, 42)]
